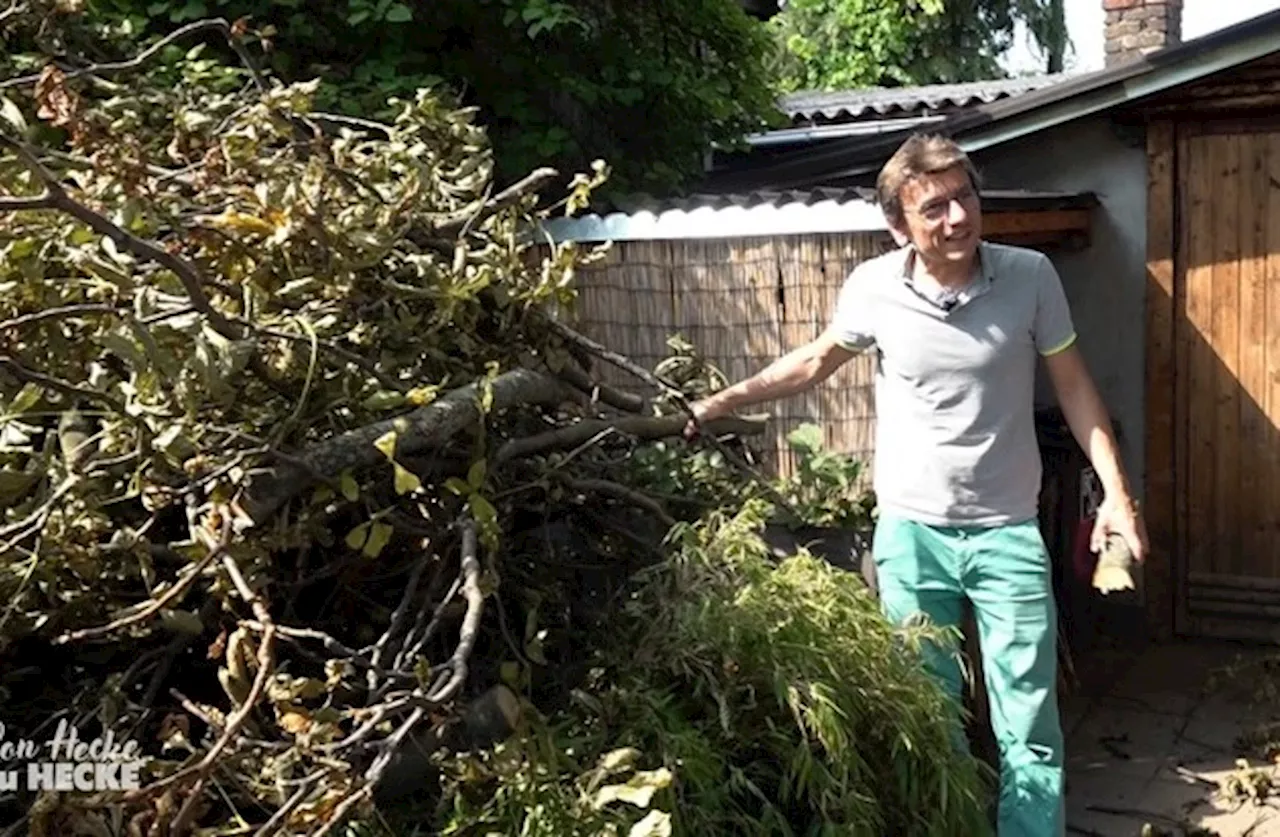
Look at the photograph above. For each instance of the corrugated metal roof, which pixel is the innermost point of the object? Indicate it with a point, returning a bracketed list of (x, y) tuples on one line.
[(632, 204), (875, 102), (724, 216), (767, 212)]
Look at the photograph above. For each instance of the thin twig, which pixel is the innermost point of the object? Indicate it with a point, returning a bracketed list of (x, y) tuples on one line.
[(17, 7), (190, 705), (154, 606), (57, 196), (638, 427), (398, 618), (609, 488), (330, 644), (112, 67), (25, 204), (332, 348), (450, 225), (456, 667), (378, 713), (22, 373), (61, 311), (631, 402), (277, 819), (380, 763), (266, 663), (374, 774), (408, 652), (36, 517)]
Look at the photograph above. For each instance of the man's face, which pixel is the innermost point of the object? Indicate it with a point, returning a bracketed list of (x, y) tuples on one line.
[(942, 216)]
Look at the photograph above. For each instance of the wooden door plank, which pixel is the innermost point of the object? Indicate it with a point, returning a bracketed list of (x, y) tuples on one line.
[(1200, 485), (1252, 466), (1226, 345), (1270, 499), (1161, 429), (1184, 359)]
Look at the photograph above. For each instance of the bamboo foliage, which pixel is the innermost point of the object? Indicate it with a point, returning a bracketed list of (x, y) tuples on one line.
[(742, 302)]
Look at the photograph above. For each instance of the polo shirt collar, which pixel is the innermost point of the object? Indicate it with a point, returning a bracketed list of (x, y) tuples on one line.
[(980, 285)]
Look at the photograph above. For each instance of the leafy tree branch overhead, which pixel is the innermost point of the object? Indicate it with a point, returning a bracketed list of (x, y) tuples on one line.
[(840, 44), (648, 87)]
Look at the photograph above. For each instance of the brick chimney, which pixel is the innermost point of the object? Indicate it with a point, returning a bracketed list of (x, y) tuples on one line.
[(1138, 27)]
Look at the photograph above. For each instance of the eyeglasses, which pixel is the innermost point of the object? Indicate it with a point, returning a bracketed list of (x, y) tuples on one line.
[(936, 209)]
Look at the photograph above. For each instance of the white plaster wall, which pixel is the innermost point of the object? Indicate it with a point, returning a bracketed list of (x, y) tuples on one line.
[(1105, 283)]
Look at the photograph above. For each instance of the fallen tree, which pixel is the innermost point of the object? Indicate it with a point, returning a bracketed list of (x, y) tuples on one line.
[(303, 473)]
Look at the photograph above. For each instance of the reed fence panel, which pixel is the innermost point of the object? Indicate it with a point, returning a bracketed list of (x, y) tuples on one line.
[(741, 302)]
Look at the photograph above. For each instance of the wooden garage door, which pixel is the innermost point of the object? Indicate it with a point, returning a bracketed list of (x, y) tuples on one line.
[(1227, 382)]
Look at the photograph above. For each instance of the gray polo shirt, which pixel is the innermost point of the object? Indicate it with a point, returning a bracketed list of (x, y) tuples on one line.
[(955, 382)]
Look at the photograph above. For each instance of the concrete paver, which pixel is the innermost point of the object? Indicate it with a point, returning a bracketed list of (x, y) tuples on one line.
[(1151, 739)]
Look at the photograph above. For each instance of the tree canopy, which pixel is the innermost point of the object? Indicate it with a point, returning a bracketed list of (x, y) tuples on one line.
[(841, 44), (649, 86)]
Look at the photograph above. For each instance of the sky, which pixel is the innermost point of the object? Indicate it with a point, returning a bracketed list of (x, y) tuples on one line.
[(1085, 20)]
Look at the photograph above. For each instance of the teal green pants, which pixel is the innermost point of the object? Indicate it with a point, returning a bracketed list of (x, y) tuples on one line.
[(1004, 572)]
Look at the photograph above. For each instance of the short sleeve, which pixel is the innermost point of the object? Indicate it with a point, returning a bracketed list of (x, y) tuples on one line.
[(1054, 328), (852, 321)]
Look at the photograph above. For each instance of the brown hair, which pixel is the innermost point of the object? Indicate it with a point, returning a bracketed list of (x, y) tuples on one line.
[(920, 154)]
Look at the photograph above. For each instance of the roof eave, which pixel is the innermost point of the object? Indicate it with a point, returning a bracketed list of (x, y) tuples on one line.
[(1015, 118), (840, 161)]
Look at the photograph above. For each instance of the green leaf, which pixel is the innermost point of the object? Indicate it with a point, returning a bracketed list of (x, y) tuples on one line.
[(26, 398), (13, 115), (181, 622), (379, 536), (15, 484), (406, 480), (384, 399), (350, 488), (356, 537), (399, 13), (457, 486), (482, 510), (387, 444), (806, 438), (509, 671), (476, 474), (655, 824), (638, 790)]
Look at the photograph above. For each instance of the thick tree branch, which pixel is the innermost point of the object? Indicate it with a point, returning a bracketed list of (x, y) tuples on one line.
[(639, 427), (577, 377), (424, 428), (605, 354), (22, 204)]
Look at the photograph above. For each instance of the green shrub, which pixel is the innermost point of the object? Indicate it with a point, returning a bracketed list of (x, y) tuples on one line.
[(773, 697)]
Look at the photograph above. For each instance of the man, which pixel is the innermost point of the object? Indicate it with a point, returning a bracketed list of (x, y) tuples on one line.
[(957, 325)]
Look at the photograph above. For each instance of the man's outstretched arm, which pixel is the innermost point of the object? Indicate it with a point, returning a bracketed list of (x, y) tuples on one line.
[(794, 372)]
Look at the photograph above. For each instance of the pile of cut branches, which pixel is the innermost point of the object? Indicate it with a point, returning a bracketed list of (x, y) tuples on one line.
[(305, 485)]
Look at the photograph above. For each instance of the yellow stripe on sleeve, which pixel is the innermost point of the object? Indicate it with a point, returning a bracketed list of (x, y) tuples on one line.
[(1061, 347)]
